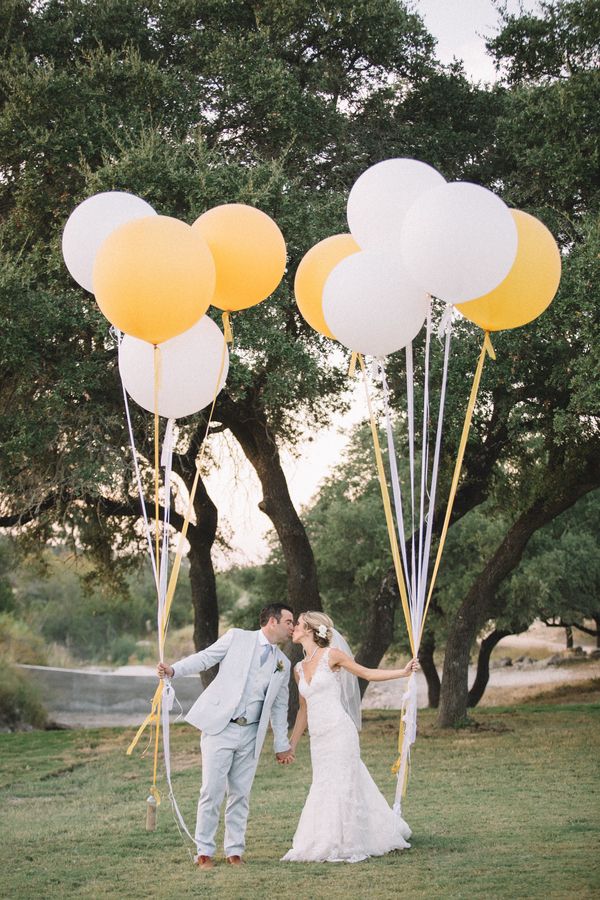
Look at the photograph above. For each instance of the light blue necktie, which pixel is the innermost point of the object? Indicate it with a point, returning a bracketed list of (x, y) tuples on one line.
[(266, 653)]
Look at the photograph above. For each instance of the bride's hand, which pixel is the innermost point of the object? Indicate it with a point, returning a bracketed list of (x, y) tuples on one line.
[(413, 666)]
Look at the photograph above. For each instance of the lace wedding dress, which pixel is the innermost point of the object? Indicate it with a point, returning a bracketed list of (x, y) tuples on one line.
[(345, 817)]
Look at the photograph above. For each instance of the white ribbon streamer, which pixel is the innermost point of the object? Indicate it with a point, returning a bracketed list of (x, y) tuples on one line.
[(168, 698), (395, 479), (408, 713)]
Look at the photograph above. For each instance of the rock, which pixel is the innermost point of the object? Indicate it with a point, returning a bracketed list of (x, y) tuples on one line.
[(594, 654), (555, 660), (503, 662)]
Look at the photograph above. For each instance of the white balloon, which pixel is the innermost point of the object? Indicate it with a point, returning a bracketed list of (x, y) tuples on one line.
[(382, 196), (459, 241), (189, 369), (372, 305), (90, 224)]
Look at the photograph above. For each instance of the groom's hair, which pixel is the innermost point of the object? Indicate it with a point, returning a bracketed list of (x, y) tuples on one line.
[(275, 610)]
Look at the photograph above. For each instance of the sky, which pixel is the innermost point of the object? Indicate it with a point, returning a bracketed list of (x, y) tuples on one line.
[(461, 28)]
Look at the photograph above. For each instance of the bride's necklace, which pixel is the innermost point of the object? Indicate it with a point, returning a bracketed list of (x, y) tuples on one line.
[(308, 658)]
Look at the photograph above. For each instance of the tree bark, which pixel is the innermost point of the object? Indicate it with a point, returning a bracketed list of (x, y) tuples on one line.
[(248, 424), (379, 627), (430, 671), (569, 637), (564, 486), (483, 666), (201, 537)]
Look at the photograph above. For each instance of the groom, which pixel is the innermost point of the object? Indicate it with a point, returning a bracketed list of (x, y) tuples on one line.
[(233, 713)]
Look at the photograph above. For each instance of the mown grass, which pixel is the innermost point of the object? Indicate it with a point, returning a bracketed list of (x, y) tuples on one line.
[(505, 809)]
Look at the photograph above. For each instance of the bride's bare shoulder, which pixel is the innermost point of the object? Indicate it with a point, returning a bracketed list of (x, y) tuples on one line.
[(336, 658)]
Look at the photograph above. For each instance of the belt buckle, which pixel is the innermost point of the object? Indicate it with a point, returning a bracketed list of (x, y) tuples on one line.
[(241, 720)]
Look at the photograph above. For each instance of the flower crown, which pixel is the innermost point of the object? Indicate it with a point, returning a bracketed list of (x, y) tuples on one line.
[(322, 631)]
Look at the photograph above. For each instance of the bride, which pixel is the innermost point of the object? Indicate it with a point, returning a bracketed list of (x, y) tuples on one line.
[(345, 817)]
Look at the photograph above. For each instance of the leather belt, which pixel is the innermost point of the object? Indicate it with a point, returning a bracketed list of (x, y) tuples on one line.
[(242, 720)]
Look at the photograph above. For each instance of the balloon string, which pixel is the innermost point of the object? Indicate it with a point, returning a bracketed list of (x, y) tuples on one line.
[(486, 350)]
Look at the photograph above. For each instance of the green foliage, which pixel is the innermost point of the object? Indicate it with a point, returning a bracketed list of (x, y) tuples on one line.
[(6, 563), (20, 705), (58, 599), (560, 573), (244, 591), (559, 43), (191, 103), (20, 642)]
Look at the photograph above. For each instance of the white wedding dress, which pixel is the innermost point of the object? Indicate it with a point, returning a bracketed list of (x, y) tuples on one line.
[(345, 817)]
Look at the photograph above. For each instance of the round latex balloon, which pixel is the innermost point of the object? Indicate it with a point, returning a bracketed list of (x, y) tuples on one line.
[(530, 285), (189, 369), (382, 196), (458, 241), (89, 225), (249, 253), (154, 277), (312, 273), (372, 305)]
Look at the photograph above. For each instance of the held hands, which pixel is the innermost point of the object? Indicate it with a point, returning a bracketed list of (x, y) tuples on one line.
[(285, 758), (164, 671)]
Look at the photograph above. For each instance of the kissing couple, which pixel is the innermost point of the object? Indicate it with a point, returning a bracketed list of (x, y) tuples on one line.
[(345, 817)]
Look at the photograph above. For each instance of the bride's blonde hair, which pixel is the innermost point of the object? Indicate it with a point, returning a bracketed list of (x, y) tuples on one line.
[(319, 622)]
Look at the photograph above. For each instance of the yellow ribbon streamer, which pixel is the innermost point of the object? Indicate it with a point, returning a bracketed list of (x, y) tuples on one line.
[(486, 350), (227, 327), (352, 366), (387, 506), (157, 377)]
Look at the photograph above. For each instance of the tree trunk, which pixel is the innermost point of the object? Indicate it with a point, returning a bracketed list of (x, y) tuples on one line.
[(250, 428), (379, 627), (248, 423), (430, 671), (483, 666), (561, 491), (201, 537), (569, 637)]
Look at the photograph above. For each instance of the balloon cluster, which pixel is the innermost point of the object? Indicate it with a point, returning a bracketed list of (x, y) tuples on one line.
[(413, 235), (154, 277)]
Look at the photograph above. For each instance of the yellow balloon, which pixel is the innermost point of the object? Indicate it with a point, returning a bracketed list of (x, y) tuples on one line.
[(530, 285), (313, 271), (249, 253), (154, 278)]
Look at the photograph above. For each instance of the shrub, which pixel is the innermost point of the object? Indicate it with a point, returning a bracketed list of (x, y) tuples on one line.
[(20, 643), (120, 649), (20, 705)]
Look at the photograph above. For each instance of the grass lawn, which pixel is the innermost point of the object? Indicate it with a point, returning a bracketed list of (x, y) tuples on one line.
[(509, 809)]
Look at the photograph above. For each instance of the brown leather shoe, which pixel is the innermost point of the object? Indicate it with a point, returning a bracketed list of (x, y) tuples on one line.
[(235, 860), (204, 862)]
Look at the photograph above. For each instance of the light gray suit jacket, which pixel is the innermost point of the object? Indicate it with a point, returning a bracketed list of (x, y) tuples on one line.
[(216, 705)]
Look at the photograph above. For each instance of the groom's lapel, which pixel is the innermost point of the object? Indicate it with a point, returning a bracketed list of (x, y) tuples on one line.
[(273, 680), (251, 638)]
